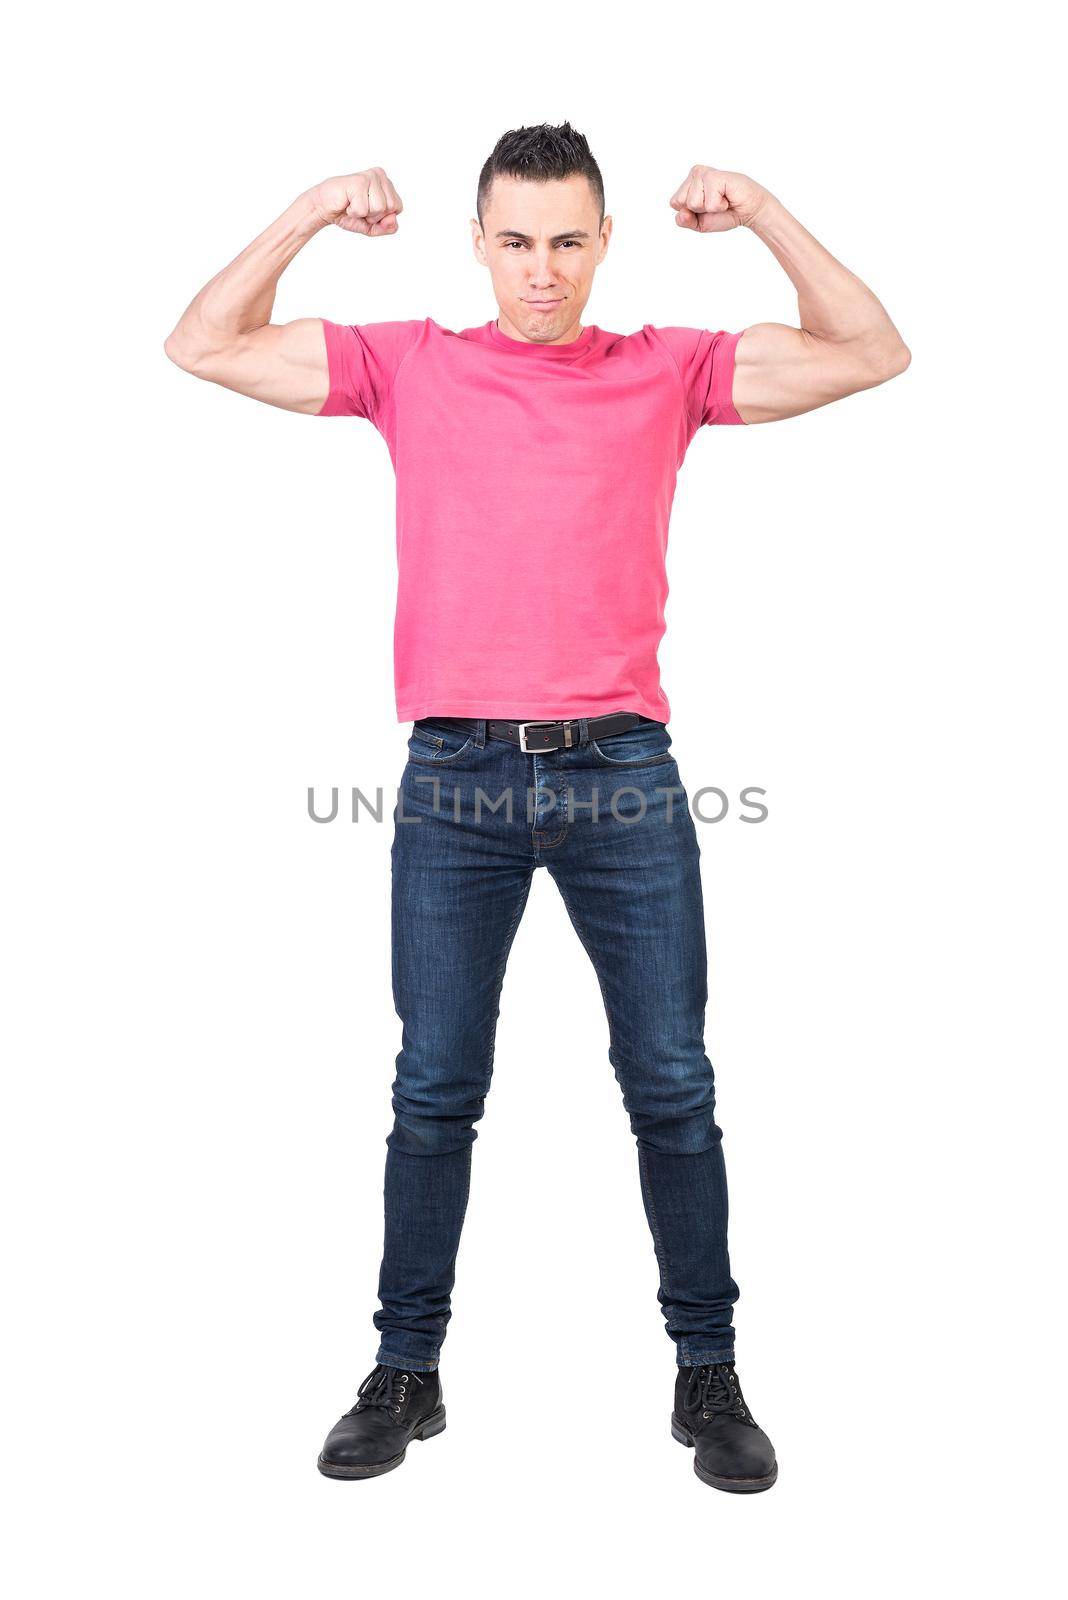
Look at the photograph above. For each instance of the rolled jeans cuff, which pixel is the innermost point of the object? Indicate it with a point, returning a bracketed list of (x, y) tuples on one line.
[(387, 1359), (704, 1358)]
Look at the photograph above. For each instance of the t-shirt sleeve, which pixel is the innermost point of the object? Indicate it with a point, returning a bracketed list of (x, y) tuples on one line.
[(706, 364), (363, 360)]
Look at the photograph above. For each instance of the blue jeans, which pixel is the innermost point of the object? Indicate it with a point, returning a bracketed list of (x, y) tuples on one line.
[(611, 823)]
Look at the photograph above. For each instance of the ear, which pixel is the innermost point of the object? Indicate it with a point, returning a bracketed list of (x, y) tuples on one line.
[(478, 243)]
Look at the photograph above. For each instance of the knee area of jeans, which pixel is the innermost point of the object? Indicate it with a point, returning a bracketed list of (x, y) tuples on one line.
[(689, 1134), (668, 1095), (423, 1135)]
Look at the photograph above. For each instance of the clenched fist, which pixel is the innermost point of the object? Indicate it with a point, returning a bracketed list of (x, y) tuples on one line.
[(710, 201), (364, 202)]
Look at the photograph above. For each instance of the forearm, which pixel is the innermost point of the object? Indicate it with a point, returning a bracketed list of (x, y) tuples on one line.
[(833, 304), (239, 299)]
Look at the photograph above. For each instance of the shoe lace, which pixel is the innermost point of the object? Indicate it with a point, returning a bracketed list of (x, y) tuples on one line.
[(717, 1392), (385, 1387)]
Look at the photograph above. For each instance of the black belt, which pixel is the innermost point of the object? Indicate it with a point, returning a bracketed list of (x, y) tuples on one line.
[(535, 737)]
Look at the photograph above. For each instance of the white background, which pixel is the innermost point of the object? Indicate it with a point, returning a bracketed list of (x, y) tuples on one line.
[(865, 619)]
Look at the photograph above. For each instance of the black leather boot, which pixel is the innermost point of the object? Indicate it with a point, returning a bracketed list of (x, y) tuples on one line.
[(393, 1406), (712, 1417)]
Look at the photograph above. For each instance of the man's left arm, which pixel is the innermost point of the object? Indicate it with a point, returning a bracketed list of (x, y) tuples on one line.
[(845, 342)]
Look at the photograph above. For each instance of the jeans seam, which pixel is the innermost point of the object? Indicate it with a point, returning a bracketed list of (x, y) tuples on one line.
[(498, 981), (589, 952), (658, 1240), (498, 984)]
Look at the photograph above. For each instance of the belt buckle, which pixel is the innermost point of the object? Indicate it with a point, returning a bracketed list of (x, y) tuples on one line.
[(523, 726)]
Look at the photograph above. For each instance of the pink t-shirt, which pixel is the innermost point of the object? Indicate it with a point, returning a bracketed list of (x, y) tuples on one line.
[(534, 488)]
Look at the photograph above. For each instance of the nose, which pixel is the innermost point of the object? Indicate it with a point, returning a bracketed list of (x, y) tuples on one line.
[(542, 275)]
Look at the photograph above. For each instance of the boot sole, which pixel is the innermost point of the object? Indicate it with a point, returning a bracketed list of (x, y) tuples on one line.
[(374, 1469), (731, 1485)]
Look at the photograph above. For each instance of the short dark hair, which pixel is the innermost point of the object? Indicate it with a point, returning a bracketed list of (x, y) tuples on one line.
[(539, 155)]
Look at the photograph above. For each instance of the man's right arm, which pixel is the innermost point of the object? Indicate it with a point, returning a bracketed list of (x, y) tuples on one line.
[(226, 335)]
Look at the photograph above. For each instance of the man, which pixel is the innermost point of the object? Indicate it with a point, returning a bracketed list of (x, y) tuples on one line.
[(535, 459)]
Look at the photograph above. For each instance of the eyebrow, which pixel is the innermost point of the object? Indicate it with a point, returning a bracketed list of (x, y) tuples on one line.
[(513, 233)]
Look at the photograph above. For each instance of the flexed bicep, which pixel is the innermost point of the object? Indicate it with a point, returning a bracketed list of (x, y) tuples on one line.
[(282, 364), (226, 334), (781, 371)]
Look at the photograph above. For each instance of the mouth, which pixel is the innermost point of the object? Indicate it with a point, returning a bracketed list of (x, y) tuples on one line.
[(544, 305)]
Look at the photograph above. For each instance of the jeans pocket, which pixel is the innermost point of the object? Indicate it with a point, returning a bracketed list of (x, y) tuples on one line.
[(643, 745), (435, 744)]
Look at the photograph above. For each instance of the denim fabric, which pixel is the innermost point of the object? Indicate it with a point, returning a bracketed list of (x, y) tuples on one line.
[(629, 876)]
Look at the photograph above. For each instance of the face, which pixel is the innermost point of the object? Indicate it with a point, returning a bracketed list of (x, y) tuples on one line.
[(542, 244)]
